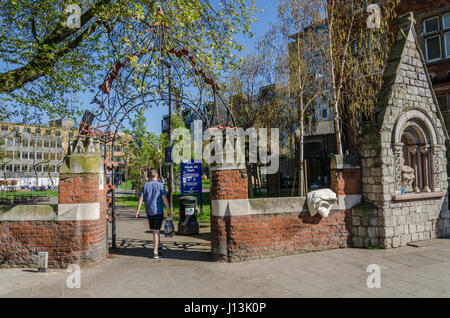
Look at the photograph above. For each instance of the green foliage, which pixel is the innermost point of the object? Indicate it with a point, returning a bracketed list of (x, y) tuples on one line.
[(131, 201), (145, 150), (47, 64)]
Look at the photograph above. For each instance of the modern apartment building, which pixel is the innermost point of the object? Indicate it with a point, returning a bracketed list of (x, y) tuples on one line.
[(32, 155)]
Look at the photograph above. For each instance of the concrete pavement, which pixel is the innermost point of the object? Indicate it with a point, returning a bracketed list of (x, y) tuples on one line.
[(185, 270)]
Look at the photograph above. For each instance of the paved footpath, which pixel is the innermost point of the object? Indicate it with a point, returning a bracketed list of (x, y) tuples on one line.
[(186, 271)]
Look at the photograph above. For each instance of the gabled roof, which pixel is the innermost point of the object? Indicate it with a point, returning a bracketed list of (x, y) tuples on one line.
[(406, 31)]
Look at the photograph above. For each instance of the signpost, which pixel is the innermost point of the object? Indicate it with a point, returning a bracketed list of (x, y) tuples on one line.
[(168, 156), (191, 179)]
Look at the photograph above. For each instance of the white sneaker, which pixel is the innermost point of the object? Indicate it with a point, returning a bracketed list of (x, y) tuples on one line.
[(155, 255)]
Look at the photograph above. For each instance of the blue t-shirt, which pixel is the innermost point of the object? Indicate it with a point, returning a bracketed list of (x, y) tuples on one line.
[(152, 193)]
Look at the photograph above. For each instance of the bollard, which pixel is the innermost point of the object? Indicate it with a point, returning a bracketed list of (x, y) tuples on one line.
[(42, 262)]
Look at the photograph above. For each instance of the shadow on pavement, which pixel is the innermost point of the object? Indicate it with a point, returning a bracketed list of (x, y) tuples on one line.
[(189, 251)]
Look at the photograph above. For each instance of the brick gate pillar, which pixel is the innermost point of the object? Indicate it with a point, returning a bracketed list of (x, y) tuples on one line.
[(72, 231), (229, 192), (82, 195), (346, 178)]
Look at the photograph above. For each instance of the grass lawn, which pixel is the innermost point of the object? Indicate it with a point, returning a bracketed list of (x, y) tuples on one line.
[(47, 193), (131, 201), (206, 183), (126, 185)]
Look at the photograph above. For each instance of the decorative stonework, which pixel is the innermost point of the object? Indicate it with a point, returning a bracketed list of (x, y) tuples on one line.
[(320, 201), (407, 178), (403, 159)]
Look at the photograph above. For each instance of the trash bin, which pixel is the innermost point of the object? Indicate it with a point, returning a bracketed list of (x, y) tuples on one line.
[(188, 224)]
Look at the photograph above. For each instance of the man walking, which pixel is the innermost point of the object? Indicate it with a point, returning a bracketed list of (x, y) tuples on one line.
[(154, 195)]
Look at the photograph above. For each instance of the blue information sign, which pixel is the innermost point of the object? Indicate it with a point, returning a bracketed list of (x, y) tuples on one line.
[(191, 179)]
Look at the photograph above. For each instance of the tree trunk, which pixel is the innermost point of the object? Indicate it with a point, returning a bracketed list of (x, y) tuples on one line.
[(249, 180), (337, 129), (301, 187)]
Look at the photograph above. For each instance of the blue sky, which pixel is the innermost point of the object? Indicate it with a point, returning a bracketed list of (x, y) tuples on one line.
[(260, 27), (155, 114)]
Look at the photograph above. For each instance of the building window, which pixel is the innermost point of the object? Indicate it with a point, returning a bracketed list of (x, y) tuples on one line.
[(58, 133), (39, 155), (25, 142), (25, 155), (16, 154), (24, 168), (39, 143), (436, 32), (16, 168), (433, 48), (447, 44), (48, 132), (444, 105), (31, 155), (53, 144), (39, 168), (446, 21), (431, 25), (8, 168), (46, 155), (46, 143)]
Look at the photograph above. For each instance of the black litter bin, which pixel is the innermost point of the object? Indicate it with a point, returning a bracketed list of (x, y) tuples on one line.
[(188, 224)]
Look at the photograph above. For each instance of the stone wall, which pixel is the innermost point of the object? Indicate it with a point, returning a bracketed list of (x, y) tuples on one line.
[(72, 232), (390, 218)]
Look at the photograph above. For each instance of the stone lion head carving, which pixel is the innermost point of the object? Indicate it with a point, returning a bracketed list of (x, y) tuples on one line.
[(321, 201)]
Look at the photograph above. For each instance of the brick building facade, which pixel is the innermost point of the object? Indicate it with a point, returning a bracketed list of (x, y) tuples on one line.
[(433, 30)]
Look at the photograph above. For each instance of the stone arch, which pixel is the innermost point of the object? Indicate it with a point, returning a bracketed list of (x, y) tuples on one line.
[(415, 139), (422, 122)]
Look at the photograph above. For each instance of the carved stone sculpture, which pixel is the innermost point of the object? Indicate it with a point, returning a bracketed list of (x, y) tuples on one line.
[(407, 178), (320, 201)]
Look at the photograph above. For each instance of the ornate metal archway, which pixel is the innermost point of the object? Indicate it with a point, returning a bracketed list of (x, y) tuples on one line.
[(159, 70)]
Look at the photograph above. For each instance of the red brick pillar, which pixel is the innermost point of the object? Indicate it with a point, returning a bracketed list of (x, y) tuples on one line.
[(82, 195), (346, 179), (71, 232), (229, 190), (346, 182)]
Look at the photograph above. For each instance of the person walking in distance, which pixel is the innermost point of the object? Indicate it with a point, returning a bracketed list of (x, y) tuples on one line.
[(154, 195)]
